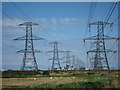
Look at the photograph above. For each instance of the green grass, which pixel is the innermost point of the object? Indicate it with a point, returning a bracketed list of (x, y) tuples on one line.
[(68, 85), (86, 79)]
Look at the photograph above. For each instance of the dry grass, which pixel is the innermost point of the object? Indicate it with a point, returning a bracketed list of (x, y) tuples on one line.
[(64, 78), (43, 80)]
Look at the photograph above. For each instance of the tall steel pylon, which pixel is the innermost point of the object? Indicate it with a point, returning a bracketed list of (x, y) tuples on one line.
[(67, 58), (29, 60), (79, 64), (55, 51), (73, 60), (100, 59)]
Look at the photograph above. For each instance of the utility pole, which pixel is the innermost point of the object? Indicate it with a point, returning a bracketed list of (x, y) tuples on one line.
[(29, 60), (55, 51), (100, 59)]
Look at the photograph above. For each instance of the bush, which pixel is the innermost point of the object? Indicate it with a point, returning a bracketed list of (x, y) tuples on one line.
[(92, 84), (47, 73), (18, 74), (81, 85), (90, 73), (57, 71)]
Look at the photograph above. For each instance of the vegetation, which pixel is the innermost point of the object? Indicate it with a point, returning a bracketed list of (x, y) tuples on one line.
[(60, 79), (47, 73), (19, 74)]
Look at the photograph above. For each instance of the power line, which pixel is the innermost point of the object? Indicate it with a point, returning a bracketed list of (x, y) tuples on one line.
[(47, 32), (21, 11), (7, 53), (92, 10), (116, 18), (32, 20), (5, 14), (9, 45), (103, 26), (110, 13), (90, 16), (113, 45), (107, 8)]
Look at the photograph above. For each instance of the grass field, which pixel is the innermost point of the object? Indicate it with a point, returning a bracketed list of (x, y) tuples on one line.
[(60, 79)]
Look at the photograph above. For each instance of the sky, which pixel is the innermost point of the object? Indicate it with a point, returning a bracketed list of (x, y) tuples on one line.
[(65, 22)]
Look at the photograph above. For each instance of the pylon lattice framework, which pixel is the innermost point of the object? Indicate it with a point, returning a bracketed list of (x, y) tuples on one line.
[(67, 59), (55, 58), (100, 59), (29, 60)]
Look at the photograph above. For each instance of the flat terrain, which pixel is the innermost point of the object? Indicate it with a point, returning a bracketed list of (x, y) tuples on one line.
[(60, 79)]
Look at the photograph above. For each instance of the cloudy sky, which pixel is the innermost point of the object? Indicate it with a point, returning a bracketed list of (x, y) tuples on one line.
[(65, 22)]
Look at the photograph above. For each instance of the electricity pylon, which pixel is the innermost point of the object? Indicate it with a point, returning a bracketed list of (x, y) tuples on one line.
[(100, 59), (67, 58), (29, 60), (79, 64), (73, 62), (55, 58)]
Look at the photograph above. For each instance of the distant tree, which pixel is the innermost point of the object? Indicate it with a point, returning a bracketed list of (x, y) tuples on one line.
[(47, 73)]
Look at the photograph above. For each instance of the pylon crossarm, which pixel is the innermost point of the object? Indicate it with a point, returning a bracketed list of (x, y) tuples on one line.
[(101, 39), (50, 59), (108, 37), (60, 51), (90, 38), (63, 57), (52, 51), (38, 38), (33, 38), (66, 51), (55, 42), (95, 50), (105, 38), (28, 51), (28, 23), (20, 38), (55, 58), (100, 23)]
